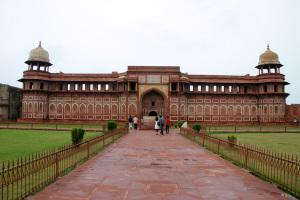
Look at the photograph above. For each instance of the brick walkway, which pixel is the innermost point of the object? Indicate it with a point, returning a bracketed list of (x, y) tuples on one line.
[(143, 165)]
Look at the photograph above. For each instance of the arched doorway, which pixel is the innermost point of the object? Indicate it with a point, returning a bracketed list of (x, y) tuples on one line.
[(153, 113), (153, 104)]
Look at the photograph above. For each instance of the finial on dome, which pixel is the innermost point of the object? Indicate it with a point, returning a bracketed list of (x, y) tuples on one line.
[(40, 44), (268, 46)]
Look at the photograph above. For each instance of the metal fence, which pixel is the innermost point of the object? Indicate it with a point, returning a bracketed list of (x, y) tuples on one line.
[(279, 168), (253, 129), (28, 175), (54, 126)]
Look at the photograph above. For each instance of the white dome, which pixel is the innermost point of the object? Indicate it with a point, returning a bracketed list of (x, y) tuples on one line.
[(39, 54)]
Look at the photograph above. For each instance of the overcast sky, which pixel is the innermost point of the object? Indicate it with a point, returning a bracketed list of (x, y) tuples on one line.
[(200, 36)]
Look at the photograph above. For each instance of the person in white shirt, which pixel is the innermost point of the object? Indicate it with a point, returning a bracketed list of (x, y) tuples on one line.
[(135, 122), (156, 127)]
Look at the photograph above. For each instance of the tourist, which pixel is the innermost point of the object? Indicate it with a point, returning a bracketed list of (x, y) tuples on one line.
[(156, 127), (161, 123), (135, 122), (130, 121), (167, 124)]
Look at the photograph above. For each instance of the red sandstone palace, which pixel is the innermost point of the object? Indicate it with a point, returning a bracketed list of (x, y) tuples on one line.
[(152, 90)]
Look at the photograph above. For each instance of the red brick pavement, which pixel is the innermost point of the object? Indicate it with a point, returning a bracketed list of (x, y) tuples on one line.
[(146, 166)]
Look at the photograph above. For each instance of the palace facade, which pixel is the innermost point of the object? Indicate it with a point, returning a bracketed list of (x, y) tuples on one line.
[(152, 90)]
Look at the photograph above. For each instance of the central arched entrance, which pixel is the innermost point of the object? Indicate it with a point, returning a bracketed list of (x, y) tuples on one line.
[(153, 113), (153, 104)]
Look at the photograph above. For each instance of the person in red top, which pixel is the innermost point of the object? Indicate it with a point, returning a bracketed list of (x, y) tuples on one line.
[(167, 124)]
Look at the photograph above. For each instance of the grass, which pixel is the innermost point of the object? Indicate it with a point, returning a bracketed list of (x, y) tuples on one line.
[(278, 142), (42, 175), (17, 143)]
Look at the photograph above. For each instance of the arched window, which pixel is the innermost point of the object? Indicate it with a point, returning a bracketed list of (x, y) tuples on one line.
[(75, 109), (207, 110), (223, 110), (199, 110), (230, 110), (90, 109), (238, 110), (191, 110), (98, 109), (114, 109), (106, 109), (52, 108), (174, 110), (215, 110), (82, 109), (59, 109), (67, 108)]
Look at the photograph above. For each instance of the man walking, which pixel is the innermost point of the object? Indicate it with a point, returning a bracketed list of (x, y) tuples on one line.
[(161, 123), (167, 124)]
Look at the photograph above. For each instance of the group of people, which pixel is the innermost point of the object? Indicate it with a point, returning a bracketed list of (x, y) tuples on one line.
[(133, 122), (161, 123)]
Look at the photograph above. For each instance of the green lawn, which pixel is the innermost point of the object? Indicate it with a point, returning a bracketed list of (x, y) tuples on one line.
[(279, 142), (17, 143)]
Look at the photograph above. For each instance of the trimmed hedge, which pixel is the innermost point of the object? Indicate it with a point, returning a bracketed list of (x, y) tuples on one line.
[(232, 138), (111, 125), (77, 135), (197, 127)]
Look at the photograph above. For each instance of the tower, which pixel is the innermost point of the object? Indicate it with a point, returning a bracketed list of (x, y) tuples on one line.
[(36, 85), (271, 88)]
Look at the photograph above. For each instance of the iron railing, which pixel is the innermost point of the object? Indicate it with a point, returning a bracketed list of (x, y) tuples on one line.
[(27, 175), (279, 168)]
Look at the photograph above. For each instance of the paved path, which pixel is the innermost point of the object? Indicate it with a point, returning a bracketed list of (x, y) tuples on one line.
[(146, 166)]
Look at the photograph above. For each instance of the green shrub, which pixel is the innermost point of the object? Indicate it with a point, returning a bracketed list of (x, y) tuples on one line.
[(175, 126), (197, 127), (179, 124), (111, 125), (77, 135), (232, 138)]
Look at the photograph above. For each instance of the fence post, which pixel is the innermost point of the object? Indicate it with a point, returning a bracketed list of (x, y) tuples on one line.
[(56, 164), (2, 181), (103, 140), (219, 146), (246, 158), (203, 139), (88, 150)]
